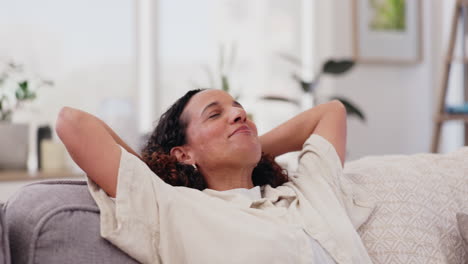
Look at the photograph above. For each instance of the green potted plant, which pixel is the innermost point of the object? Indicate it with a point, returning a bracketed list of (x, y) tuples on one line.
[(16, 88), (330, 67)]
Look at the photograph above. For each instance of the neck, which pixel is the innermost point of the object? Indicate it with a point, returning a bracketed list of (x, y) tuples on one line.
[(229, 178)]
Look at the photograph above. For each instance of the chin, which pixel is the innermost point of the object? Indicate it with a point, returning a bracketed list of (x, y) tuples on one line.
[(253, 153), (247, 147)]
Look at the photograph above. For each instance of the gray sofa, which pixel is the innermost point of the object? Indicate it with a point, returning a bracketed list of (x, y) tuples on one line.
[(419, 199), (4, 243), (56, 222)]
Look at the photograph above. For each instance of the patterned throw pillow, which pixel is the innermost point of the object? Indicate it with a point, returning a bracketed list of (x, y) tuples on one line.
[(463, 227), (418, 197)]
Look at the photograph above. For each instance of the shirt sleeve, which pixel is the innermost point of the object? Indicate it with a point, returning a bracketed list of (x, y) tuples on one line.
[(131, 221), (320, 178)]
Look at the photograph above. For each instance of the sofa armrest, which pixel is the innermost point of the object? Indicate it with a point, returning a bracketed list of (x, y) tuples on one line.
[(4, 243), (57, 222)]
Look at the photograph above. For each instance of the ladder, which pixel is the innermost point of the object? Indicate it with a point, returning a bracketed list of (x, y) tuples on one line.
[(460, 15)]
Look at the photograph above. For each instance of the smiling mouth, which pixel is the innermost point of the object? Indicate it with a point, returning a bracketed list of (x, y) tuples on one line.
[(242, 130)]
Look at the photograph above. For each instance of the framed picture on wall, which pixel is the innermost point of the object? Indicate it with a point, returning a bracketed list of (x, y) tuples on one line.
[(387, 31)]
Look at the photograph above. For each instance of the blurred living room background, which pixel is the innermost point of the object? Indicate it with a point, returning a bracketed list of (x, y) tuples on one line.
[(126, 61)]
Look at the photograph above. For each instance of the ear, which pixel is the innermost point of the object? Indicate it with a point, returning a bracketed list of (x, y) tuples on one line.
[(182, 155)]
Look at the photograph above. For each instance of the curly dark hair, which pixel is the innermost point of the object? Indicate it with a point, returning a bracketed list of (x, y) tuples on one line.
[(171, 132)]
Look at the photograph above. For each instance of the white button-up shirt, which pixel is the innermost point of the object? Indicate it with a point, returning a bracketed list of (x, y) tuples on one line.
[(319, 254), (157, 223)]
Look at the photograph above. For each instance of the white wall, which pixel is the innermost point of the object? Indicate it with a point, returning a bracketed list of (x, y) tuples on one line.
[(86, 47), (398, 100)]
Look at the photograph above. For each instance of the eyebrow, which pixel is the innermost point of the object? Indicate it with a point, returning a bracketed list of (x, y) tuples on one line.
[(216, 103)]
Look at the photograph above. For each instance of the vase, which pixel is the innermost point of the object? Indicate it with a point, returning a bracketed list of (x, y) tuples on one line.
[(14, 146)]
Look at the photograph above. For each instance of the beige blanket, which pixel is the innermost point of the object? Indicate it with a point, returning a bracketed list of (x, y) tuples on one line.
[(417, 199)]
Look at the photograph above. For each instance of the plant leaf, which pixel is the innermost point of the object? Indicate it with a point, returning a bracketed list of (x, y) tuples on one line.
[(337, 67), (279, 98), (24, 86), (48, 82), (351, 108), (221, 59), (232, 57), (19, 94), (225, 83), (30, 96), (290, 58), (296, 77), (306, 86)]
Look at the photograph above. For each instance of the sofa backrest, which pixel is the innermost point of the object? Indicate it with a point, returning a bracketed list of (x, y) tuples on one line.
[(57, 222)]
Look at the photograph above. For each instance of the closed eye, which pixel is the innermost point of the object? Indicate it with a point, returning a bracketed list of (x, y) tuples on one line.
[(214, 115)]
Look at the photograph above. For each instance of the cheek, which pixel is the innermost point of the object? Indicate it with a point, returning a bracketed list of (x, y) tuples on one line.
[(204, 138), (211, 133), (253, 127)]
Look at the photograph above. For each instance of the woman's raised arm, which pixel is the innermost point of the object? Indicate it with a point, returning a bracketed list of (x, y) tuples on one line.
[(92, 145), (327, 120)]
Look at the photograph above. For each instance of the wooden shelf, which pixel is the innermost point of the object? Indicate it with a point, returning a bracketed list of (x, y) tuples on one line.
[(442, 116), (447, 117), (21, 175), (457, 60)]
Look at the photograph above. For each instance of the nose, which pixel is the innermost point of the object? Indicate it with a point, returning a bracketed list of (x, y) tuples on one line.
[(238, 115)]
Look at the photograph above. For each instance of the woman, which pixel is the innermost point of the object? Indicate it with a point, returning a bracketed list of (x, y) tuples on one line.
[(207, 205)]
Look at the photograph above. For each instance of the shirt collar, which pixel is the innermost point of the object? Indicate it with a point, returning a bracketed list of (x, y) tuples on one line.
[(257, 196), (253, 193)]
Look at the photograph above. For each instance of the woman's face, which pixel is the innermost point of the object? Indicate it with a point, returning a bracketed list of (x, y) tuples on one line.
[(219, 133)]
